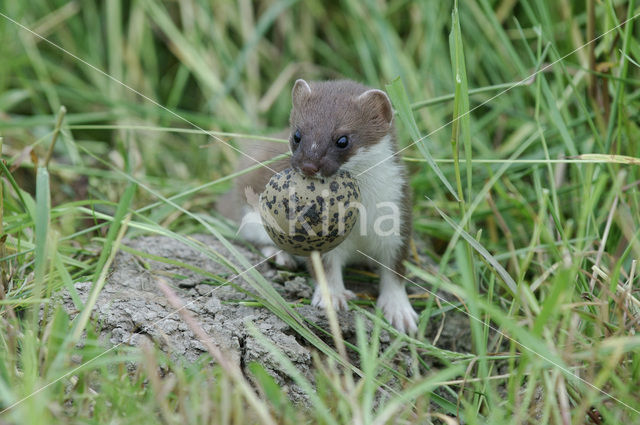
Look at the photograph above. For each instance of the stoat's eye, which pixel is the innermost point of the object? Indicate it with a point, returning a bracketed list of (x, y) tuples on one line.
[(342, 142), (297, 137)]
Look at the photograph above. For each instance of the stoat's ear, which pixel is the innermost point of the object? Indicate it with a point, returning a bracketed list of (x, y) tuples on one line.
[(301, 89), (376, 104)]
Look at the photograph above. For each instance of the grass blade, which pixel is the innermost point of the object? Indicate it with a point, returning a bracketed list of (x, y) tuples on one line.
[(123, 207), (461, 125), (506, 277), (41, 219), (400, 101)]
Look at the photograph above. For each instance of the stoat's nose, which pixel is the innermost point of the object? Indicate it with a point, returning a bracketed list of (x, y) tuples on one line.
[(309, 169)]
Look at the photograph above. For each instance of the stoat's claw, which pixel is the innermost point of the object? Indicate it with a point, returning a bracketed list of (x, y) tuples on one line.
[(338, 298), (399, 312)]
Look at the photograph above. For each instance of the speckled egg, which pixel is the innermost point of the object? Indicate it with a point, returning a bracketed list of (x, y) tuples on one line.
[(303, 214)]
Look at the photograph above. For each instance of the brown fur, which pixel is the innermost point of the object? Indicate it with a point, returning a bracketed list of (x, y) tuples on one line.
[(230, 205), (405, 230), (325, 111)]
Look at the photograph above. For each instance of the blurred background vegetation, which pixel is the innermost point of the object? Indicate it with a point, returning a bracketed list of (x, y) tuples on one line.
[(549, 167)]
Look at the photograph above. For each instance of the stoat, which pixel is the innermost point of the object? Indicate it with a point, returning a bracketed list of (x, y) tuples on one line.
[(342, 125)]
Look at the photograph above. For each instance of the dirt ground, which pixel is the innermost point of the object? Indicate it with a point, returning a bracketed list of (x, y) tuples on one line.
[(131, 308)]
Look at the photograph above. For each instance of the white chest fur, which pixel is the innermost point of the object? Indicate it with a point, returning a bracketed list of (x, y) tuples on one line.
[(378, 231)]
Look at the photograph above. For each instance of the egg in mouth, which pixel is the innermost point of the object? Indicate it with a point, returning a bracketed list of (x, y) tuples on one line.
[(305, 214)]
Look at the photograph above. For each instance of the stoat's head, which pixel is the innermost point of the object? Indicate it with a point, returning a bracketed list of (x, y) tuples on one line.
[(331, 121)]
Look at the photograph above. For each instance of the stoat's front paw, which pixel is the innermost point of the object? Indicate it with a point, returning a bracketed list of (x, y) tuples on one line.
[(338, 298), (398, 311), (281, 258)]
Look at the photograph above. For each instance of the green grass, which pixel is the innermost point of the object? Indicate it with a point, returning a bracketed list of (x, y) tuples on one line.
[(527, 203)]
